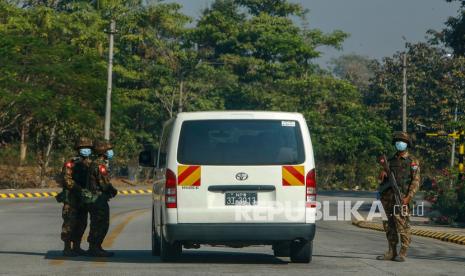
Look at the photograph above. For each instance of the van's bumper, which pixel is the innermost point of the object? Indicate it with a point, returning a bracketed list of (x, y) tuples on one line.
[(234, 232)]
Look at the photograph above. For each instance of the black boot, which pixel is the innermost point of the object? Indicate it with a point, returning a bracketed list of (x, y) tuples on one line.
[(78, 250), (95, 250), (67, 251), (107, 253)]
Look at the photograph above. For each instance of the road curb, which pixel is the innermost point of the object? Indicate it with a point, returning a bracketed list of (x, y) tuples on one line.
[(52, 194), (442, 236)]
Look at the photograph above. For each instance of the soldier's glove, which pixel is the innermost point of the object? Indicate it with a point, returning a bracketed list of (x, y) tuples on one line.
[(60, 198), (113, 191)]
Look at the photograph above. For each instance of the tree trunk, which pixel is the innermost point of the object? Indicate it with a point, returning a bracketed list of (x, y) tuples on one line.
[(46, 156), (23, 145)]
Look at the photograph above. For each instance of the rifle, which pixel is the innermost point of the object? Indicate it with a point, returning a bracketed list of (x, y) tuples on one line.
[(391, 183)]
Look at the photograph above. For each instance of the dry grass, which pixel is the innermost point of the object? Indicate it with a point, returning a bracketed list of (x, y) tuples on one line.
[(14, 177)]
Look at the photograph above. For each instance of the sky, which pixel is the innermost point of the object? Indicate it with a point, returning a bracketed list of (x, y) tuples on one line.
[(376, 27)]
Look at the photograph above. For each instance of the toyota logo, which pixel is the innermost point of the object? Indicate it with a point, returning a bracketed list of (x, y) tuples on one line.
[(242, 176)]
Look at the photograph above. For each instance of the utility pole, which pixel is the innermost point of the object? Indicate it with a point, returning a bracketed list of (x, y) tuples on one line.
[(452, 156), (109, 81), (181, 87), (404, 93)]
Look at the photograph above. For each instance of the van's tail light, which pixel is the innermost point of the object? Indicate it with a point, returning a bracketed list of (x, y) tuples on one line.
[(310, 189), (170, 190)]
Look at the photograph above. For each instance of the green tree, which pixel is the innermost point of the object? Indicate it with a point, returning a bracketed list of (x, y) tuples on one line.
[(454, 33), (435, 84), (354, 68), (45, 79), (272, 59)]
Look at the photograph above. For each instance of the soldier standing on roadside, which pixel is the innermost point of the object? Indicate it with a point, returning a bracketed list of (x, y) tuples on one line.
[(101, 191), (75, 177), (407, 174)]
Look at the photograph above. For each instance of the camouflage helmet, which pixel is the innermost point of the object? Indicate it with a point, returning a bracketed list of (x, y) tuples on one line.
[(401, 136), (83, 142), (101, 146)]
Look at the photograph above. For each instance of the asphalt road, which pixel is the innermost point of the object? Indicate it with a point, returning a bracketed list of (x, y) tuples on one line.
[(30, 245)]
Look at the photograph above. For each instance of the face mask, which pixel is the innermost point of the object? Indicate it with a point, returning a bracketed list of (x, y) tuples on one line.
[(401, 146), (109, 154), (85, 152)]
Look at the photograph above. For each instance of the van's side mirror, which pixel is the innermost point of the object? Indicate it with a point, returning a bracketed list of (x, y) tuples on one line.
[(147, 158)]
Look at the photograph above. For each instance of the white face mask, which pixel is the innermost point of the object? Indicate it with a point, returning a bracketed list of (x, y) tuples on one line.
[(85, 152), (401, 145)]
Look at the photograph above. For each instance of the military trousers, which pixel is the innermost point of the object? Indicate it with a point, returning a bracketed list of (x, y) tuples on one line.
[(397, 223), (99, 221), (74, 222)]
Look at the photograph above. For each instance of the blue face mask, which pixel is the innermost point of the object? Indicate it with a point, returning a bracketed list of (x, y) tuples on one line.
[(109, 154), (401, 146), (85, 152)]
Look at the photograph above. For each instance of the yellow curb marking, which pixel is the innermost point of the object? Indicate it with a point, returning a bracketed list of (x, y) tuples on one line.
[(448, 237), (50, 194)]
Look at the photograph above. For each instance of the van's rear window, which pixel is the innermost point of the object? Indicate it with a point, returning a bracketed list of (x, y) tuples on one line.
[(240, 142)]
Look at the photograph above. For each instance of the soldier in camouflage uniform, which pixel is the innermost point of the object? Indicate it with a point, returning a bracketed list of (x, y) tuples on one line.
[(101, 190), (407, 173), (75, 177)]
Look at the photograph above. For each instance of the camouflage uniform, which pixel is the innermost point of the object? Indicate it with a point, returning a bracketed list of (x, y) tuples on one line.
[(75, 175), (74, 212), (407, 173), (102, 190)]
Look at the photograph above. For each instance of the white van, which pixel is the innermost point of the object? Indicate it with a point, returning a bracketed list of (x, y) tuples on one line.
[(234, 178)]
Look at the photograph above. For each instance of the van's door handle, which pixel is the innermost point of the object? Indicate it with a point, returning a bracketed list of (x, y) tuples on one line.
[(224, 188)]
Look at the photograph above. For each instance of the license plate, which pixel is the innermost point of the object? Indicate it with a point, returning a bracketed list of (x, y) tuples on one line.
[(240, 198)]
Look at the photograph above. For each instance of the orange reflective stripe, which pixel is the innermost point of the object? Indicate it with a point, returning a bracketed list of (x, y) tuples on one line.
[(189, 175), (293, 175), (186, 173)]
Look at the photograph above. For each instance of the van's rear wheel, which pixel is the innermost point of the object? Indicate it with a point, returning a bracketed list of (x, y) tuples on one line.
[(281, 249), (155, 238), (169, 251), (301, 251)]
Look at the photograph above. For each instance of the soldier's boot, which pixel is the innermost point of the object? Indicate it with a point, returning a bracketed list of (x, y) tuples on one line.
[(68, 251), (95, 250), (402, 255), (108, 254), (78, 250), (390, 255)]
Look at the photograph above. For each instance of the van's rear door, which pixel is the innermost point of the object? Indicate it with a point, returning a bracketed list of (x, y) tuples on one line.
[(241, 171)]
